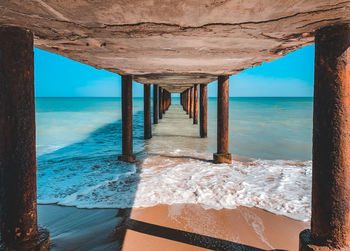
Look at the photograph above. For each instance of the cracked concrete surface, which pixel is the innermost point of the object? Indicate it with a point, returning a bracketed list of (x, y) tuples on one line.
[(173, 43)]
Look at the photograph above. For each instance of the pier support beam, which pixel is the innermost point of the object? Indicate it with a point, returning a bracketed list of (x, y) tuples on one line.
[(160, 102), (191, 102), (147, 111), (155, 104), (195, 104), (223, 156), (163, 101), (127, 121), (330, 221), (203, 110), (188, 101), (181, 98), (18, 207)]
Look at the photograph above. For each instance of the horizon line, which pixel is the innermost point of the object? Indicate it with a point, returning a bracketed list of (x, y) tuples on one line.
[(178, 97)]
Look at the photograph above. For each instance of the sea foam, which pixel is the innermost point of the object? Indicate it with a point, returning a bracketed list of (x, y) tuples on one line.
[(279, 186)]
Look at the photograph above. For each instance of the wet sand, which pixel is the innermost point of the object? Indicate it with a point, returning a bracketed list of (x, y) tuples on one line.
[(164, 227)]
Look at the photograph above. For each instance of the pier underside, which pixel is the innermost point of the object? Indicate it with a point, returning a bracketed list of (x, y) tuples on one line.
[(173, 43)]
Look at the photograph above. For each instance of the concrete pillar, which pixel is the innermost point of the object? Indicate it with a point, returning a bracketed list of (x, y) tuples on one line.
[(191, 102), (147, 111), (160, 102), (127, 123), (18, 207), (203, 110), (223, 156), (155, 104), (330, 217), (195, 104)]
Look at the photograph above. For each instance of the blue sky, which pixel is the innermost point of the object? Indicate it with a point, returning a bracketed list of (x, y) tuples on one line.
[(290, 76)]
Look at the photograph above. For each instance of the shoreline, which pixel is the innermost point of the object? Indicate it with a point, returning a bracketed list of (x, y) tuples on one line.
[(168, 227), (169, 205)]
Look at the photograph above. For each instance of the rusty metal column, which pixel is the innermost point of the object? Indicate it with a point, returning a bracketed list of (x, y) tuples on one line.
[(203, 110), (184, 98), (181, 99), (163, 101), (155, 104), (184, 95), (188, 100), (147, 111), (195, 104), (127, 123), (191, 102), (223, 156), (330, 221), (18, 206), (160, 102)]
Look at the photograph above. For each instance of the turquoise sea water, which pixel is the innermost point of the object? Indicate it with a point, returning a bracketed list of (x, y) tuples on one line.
[(78, 140)]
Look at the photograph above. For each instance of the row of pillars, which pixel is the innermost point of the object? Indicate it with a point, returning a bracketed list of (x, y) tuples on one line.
[(330, 221), (161, 103), (189, 102), (158, 110)]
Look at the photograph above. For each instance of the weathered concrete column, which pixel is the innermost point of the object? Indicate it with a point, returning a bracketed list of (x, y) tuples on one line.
[(160, 102), (155, 104), (195, 104), (191, 102), (203, 110), (18, 206), (330, 217), (223, 156), (147, 111), (127, 121)]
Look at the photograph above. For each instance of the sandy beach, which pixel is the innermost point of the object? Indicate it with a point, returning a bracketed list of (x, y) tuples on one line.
[(163, 227)]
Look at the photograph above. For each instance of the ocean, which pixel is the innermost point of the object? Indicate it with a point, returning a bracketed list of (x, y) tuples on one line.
[(78, 140)]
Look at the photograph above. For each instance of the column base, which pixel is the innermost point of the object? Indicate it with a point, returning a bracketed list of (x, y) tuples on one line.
[(222, 158), (306, 245), (42, 243), (127, 158)]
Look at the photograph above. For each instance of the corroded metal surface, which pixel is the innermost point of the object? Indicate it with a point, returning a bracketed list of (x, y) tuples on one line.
[(160, 102), (195, 104), (203, 110), (191, 103), (18, 209), (127, 121), (147, 111), (222, 155), (330, 221), (155, 104)]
